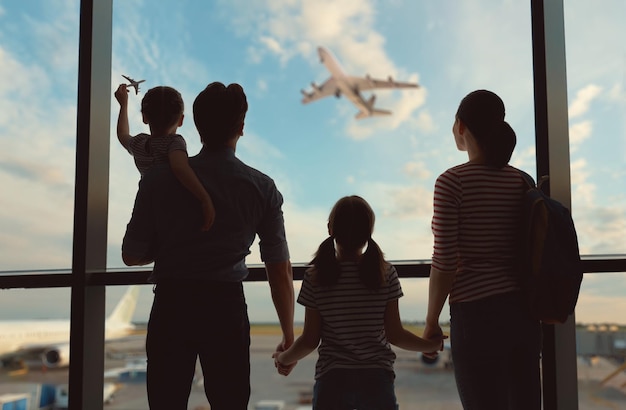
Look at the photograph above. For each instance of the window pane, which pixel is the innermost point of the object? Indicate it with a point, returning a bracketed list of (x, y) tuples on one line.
[(38, 67), (319, 152), (34, 344), (596, 76), (601, 341)]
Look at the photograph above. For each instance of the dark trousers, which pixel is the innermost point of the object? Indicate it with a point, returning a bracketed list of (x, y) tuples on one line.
[(200, 320), (496, 351), (349, 389)]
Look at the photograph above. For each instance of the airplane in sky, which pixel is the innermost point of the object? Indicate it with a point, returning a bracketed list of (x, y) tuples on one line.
[(134, 83), (341, 83), (48, 341)]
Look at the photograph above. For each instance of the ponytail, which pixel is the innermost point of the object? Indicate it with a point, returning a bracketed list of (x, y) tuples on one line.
[(373, 266), (325, 265)]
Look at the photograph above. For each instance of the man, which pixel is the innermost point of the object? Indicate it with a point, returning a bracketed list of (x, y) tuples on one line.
[(199, 308)]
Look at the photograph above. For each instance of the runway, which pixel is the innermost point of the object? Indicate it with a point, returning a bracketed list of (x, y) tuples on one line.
[(417, 385)]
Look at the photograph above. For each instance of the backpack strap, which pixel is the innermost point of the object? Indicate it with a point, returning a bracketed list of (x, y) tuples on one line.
[(528, 179)]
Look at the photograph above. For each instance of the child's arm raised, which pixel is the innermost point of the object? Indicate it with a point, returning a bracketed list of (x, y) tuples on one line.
[(305, 344), (179, 163), (397, 335), (123, 129)]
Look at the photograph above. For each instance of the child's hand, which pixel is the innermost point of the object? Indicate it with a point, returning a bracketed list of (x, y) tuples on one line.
[(282, 368), (121, 95), (435, 334), (208, 215)]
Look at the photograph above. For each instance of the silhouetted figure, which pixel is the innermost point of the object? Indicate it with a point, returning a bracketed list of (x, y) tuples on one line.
[(162, 109), (199, 309), (351, 301), (477, 209)]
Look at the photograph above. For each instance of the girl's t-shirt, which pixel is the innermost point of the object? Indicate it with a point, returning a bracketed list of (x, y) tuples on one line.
[(353, 320)]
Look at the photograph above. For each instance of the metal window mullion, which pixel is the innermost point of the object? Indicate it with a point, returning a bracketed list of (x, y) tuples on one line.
[(86, 375)]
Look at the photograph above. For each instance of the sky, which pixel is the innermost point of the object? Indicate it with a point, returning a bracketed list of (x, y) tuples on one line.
[(318, 152)]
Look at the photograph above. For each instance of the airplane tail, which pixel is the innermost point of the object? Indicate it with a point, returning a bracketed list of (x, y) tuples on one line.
[(122, 315), (371, 111)]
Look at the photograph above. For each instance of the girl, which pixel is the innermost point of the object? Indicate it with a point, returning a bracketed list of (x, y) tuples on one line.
[(351, 301)]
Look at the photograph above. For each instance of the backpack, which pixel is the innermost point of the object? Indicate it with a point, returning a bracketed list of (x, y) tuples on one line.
[(550, 260)]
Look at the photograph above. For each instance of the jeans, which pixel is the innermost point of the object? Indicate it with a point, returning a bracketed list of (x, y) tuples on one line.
[(349, 389), (191, 321), (495, 351)]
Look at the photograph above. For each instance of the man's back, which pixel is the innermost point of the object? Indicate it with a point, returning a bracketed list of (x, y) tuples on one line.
[(246, 203)]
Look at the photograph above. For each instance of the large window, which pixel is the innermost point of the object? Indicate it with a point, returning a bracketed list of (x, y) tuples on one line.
[(316, 152), (596, 74), (38, 67)]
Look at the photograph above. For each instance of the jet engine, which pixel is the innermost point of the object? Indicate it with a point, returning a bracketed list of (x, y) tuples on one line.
[(56, 356)]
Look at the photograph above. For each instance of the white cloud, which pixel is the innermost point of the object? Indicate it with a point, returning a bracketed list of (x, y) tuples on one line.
[(417, 170), (579, 132), (288, 28), (584, 97)]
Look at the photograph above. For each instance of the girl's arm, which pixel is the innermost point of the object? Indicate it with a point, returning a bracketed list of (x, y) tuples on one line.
[(179, 163), (123, 129), (305, 344), (397, 335)]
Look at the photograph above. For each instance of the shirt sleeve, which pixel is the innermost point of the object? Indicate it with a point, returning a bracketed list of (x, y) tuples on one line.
[(306, 297), (272, 239), (394, 290), (177, 143), (445, 222), (140, 239)]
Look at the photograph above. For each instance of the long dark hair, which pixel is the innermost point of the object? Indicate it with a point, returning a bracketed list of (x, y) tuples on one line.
[(482, 111), (351, 222)]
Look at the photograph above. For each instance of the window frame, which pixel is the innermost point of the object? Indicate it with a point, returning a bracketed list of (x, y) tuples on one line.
[(89, 277)]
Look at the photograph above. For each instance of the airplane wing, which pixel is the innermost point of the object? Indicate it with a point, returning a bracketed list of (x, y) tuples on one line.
[(128, 78), (329, 87), (369, 83)]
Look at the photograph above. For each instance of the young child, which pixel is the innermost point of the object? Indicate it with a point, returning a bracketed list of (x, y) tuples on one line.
[(351, 301), (162, 109)]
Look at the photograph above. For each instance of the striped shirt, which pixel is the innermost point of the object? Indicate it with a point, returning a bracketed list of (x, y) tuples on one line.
[(148, 150), (353, 320), (475, 225)]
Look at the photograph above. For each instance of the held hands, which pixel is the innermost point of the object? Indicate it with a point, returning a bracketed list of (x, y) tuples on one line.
[(435, 334), (282, 368), (121, 95)]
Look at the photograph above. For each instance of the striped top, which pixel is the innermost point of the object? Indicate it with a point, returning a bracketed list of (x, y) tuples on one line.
[(353, 320), (475, 225), (148, 150)]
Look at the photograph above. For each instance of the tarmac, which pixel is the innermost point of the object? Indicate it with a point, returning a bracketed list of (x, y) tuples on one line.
[(418, 386)]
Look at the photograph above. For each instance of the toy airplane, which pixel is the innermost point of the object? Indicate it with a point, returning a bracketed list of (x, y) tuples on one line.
[(133, 83)]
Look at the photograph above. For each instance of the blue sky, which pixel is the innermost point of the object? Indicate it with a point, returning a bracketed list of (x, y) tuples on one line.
[(318, 152)]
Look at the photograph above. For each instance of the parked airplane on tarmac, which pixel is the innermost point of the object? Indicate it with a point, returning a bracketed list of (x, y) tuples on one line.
[(341, 83), (47, 341)]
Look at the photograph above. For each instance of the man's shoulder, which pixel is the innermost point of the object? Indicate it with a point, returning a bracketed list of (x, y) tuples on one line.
[(234, 165)]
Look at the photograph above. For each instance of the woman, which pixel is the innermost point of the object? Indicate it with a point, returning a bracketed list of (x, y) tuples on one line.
[(477, 207)]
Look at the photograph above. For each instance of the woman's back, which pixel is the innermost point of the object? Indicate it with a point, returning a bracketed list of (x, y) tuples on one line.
[(476, 220)]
